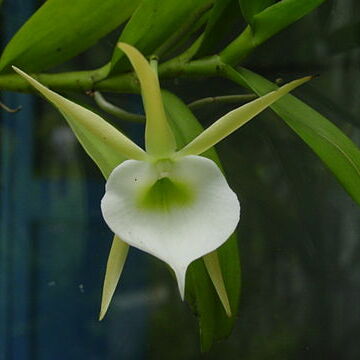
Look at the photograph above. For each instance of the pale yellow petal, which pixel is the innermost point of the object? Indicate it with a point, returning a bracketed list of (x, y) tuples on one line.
[(159, 139), (212, 264), (236, 118), (77, 116), (114, 267)]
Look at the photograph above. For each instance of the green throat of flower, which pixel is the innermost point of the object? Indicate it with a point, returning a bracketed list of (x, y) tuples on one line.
[(165, 194)]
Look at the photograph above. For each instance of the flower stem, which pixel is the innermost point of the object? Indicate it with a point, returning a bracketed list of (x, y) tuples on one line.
[(115, 110), (154, 60), (229, 99), (239, 48)]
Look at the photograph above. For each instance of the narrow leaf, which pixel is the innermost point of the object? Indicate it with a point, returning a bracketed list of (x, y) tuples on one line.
[(159, 138), (222, 16), (152, 23), (250, 8), (60, 29), (114, 267), (266, 24), (273, 19), (332, 146), (91, 130), (236, 118)]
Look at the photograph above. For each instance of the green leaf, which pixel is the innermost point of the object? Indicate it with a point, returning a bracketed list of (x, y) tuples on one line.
[(60, 29), (152, 23), (264, 25), (200, 291), (273, 19), (250, 8), (332, 146), (222, 16)]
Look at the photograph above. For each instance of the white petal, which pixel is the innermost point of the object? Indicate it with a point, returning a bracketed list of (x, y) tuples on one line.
[(176, 223)]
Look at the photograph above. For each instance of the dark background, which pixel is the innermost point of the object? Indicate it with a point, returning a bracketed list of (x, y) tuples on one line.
[(299, 232)]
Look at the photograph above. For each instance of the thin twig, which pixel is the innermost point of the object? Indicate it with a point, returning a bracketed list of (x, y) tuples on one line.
[(154, 59), (115, 110), (7, 109), (230, 99)]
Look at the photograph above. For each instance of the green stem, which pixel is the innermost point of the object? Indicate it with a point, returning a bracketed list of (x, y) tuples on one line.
[(181, 65), (80, 81), (125, 83), (116, 111), (210, 66), (239, 48), (231, 74), (230, 99), (154, 61)]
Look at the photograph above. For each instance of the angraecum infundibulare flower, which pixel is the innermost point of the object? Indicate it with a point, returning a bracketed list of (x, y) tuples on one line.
[(171, 203)]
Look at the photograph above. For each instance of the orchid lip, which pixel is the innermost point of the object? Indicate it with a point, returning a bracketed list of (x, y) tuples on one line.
[(178, 217)]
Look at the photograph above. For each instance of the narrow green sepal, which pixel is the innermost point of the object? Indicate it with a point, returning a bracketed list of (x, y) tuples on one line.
[(80, 117), (115, 264), (235, 119), (159, 139), (213, 267)]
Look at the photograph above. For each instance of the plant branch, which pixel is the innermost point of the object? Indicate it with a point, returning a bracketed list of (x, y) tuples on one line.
[(229, 99), (82, 81), (115, 110), (239, 48), (93, 80), (154, 63), (181, 65)]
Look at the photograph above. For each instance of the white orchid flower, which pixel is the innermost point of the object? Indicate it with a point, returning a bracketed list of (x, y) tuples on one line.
[(172, 203)]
